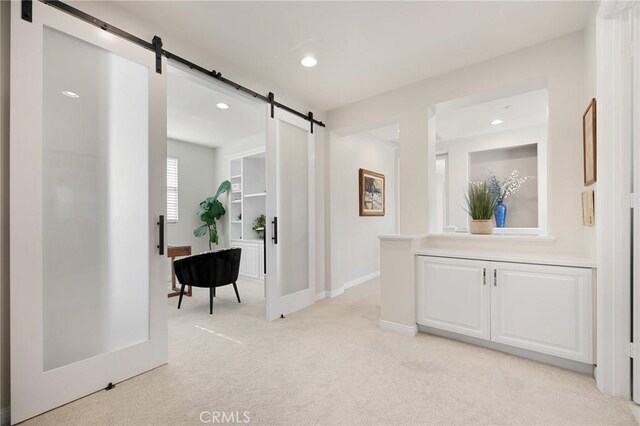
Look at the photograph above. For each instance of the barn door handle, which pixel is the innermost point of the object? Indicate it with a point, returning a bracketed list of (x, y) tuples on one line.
[(275, 230), (161, 235)]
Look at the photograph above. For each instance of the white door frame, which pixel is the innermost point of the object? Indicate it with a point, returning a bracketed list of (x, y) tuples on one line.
[(613, 372), (283, 305), (32, 390)]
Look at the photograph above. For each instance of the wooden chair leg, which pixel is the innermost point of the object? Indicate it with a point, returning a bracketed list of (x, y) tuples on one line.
[(212, 290), (181, 294), (235, 288)]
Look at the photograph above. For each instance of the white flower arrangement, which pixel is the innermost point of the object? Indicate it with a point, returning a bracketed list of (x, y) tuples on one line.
[(509, 186)]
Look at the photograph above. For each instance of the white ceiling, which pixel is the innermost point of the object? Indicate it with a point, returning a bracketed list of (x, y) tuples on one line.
[(192, 115), (518, 111), (363, 48)]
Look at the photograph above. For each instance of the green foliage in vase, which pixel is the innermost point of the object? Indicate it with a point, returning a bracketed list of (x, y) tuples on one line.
[(502, 189), (210, 211), (481, 201)]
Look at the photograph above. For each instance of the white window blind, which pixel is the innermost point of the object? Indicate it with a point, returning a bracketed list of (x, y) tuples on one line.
[(172, 190)]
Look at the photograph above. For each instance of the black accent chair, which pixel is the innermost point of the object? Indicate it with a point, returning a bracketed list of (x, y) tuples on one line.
[(209, 270)]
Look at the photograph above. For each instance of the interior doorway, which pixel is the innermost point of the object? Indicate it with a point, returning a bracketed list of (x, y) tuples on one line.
[(375, 148), (216, 142)]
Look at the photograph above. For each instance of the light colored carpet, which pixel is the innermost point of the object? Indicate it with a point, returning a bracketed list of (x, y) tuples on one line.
[(331, 365)]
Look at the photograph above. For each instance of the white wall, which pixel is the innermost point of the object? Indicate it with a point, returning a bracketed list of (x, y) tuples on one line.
[(355, 251), (459, 172), (590, 70), (196, 181), (562, 63)]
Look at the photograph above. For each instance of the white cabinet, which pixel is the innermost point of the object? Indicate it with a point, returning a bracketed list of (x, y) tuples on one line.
[(543, 308), (251, 259), (546, 309), (453, 296)]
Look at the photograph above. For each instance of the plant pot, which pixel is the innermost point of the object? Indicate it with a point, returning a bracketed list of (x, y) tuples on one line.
[(481, 227)]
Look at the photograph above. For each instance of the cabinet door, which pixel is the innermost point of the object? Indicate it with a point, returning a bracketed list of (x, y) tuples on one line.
[(453, 295), (543, 308), (251, 253)]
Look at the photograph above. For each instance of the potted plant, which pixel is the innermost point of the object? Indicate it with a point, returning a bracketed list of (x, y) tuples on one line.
[(481, 203), (258, 225), (210, 211), (501, 189)]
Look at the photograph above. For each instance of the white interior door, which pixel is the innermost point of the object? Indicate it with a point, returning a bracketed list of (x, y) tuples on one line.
[(87, 183), (634, 82), (290, 278)]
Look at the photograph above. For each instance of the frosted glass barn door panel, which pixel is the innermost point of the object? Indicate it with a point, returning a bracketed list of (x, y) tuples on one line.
[(88, 157), (290, 215), (95, 195)]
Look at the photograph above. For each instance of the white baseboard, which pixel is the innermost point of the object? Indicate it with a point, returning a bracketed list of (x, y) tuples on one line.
[(360, 280), (5, 416), (334, 293), (340, 290), (406, 330)]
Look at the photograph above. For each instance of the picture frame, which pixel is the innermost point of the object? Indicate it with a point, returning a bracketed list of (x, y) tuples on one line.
[(371, 193), (588, 207), (589, 144)]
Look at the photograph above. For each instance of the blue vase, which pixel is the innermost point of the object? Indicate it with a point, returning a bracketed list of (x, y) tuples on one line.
[(501, 214)]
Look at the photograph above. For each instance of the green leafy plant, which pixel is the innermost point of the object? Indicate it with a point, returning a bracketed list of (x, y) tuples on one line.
[(481, 201), (259, 224), (210, 211)]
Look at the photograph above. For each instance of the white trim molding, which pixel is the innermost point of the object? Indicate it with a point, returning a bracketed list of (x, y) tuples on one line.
[(334, 293), (400, 237), (340, 290), (360, 280), (405, 330), (613, 375)]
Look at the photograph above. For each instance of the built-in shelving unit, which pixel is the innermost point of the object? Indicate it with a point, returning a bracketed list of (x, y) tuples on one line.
[(247, 198), (259, 194), (247, 201)]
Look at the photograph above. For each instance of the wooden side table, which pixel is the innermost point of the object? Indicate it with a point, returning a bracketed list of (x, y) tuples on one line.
[(172, 253)]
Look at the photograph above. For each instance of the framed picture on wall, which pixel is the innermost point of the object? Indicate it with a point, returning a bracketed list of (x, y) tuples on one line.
[(589, 143), (371, 193), (588, 209)]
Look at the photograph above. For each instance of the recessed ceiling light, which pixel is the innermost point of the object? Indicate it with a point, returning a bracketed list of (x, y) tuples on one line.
[(497, 121), (222, 105), (308, 61), (70, 94)]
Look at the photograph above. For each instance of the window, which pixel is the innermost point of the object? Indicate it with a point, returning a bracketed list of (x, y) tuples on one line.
[(172, 190)]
